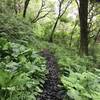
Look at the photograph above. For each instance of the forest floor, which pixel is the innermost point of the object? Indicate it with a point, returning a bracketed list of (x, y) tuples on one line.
[(51, 90)]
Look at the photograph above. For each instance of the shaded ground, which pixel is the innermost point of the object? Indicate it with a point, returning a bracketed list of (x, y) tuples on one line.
[(51, 90)]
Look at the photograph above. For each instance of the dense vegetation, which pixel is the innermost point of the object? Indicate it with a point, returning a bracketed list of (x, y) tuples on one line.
[(68, 29)]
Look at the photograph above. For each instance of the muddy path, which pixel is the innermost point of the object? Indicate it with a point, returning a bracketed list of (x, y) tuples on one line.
[(51, 89)]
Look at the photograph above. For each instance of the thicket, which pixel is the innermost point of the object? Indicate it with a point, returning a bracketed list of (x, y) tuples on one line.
[(23, 71)]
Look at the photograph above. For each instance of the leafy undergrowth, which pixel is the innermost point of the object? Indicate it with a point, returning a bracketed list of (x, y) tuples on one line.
[(82, 86), (15, 28), (80, 77), (22, 72)]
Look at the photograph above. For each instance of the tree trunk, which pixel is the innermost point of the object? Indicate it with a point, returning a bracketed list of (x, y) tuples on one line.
[(72, 33), (15, 9), (83, 15), (25, 7), (53, 30)]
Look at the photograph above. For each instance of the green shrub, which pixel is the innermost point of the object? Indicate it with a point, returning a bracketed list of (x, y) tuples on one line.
[(83, 86), (22, 72), (15, 28)]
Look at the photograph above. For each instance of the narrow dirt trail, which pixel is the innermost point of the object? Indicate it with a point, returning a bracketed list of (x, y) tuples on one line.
[(51, 89)]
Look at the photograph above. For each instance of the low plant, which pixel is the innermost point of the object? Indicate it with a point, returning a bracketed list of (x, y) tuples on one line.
[(82, 86), (22, 72)]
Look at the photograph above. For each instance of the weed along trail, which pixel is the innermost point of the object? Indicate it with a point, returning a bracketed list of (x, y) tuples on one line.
[(50, 90)]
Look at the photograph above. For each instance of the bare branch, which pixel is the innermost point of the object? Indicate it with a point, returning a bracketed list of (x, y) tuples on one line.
[(77, 4), (60, 5), (58, 17), (96, 37), (38, 17), (68, 4), (91, 8), (34, 21)]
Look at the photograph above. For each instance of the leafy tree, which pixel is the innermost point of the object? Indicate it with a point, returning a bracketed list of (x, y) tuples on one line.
[(60, 14)]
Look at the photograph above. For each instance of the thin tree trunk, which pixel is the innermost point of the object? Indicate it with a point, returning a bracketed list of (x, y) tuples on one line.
[(61, 13), (72, 33), (15, 7), (83, 15), (53, 30), (96, 37), (25, 7)]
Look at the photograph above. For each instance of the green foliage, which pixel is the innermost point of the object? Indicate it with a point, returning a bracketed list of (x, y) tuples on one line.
[(79, 77), (22, 72), (6, 6), (83, 86), (14, 27), (69, 59)]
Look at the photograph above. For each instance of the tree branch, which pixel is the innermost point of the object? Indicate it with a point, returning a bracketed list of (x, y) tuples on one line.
[(25, 7), (38, 17), (35, 20), (77, 4), (68, 4)]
